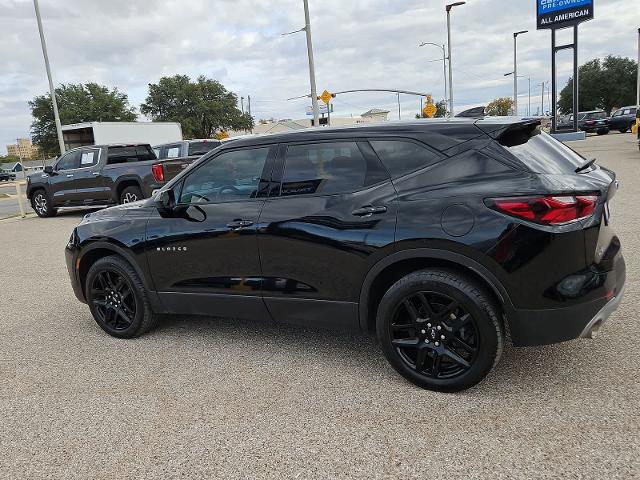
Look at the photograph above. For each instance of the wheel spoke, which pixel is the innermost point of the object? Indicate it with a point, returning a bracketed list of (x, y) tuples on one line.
[(411, 310), (424, 301), (456, 358), (449, 309), (420, 359), (464, 345), (457, 324), (437, 362), (123, 316), (406, 343)]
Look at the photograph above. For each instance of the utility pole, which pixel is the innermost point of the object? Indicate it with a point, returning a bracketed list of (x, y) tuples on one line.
[(515, 70), (542, 98), (444, 67), (312, 68), (449, 7), (56, 115), (242, 104), (399, 108)]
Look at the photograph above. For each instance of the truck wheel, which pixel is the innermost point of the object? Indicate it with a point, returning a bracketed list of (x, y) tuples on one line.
[(41, 204), (130, 195), (440, 330), (624, 130)]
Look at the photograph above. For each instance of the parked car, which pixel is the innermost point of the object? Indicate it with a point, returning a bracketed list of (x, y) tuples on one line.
[(7, 176), (97, 175), (623, 119), (185, 148), (439, 236), (593, 122)]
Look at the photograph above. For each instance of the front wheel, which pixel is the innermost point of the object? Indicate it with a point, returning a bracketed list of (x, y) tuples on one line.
[(624, 130), (440, 330), (118, 299), (42, 205)]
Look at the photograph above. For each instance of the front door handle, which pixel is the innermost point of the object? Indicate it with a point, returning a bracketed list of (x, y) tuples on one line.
[(69, 175), (237, 224), (369, 210), (95, 173)]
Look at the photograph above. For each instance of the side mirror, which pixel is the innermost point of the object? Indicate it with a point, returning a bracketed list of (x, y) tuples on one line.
[(49, 170), (165, 202)]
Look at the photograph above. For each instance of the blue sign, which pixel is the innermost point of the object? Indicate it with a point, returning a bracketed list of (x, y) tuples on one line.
[(563, 13)]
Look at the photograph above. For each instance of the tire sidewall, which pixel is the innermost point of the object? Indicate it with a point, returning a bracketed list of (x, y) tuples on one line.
[(488, 336), (127, 272)]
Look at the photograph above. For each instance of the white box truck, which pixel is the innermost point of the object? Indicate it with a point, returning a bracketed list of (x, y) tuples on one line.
[(105, 133)]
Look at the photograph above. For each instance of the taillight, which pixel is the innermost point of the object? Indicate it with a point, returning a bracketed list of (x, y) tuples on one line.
[(158, 172), (547, 210)]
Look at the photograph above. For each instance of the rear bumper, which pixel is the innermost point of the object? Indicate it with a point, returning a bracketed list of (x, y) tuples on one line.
[(545, 327)]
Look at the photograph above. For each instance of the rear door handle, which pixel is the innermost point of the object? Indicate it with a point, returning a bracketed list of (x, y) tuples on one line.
[(69, 175), (95, 173), (236, 224), (368, 211)]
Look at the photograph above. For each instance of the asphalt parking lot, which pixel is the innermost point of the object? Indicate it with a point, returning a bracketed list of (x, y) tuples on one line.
[(211, 398)]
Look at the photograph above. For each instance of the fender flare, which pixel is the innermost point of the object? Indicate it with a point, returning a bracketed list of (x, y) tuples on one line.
[(435, 254)]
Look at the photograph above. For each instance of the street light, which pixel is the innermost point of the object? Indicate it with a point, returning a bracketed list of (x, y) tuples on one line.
[(449, 7), (312, 68), (515, 68), (444, 65), (529, 78)]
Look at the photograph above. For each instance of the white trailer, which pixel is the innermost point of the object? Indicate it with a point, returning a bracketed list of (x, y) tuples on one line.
[(104, 133)]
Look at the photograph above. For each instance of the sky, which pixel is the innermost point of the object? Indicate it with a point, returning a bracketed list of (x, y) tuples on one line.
[(358, 44)]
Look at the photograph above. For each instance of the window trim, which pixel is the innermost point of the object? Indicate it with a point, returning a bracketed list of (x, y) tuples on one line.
[(442, 157), (279, 169), (264, 178)]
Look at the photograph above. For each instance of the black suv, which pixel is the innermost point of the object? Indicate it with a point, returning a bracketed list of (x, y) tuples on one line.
[(623, 119), (439, 236)]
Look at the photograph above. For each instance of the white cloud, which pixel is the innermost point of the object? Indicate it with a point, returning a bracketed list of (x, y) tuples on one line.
[(358, 44)]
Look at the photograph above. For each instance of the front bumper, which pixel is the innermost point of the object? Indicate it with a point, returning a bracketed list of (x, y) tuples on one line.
[(71, 258)]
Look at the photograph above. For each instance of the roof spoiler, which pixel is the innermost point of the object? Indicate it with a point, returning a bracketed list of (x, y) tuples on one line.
[(476, 112)]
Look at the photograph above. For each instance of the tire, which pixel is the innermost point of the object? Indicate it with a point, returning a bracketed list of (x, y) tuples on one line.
[(458, 309), (603, 132), (118, 299), (131, 194), (624, 130), (41, 204)]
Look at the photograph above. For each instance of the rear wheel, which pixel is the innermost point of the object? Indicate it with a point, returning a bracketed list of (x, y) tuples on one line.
[(41, 204), (603, 132), (439, 330), (130, 195), (118, 299)]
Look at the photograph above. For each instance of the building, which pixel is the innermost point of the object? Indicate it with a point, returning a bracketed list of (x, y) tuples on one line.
[(374, 115), (24, 149)]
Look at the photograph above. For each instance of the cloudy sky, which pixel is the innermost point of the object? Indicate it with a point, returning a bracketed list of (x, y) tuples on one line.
[(358, 44)]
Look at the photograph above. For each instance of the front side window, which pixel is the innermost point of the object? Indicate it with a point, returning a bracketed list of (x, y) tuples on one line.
[(69, 161), (403, 156), (231, 176), (327, 169)]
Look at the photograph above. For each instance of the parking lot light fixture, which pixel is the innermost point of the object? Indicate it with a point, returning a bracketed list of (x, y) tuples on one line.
[(449, 7), (515, 69)]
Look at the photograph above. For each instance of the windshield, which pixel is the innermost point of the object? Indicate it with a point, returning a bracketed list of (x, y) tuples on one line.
[(540, 152)]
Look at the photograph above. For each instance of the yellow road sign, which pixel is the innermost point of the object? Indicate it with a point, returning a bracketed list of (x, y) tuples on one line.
[(430, 110), (326, 97)]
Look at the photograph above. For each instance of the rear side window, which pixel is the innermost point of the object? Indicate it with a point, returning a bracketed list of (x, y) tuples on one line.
[(540, 152), (89, 157), (328, 169), (200, 148), (134, 153), (403, 156)]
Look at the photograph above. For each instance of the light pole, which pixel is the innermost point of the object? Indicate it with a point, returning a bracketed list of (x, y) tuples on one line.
[(515, 69), (56, 115), (449, 7), (444, 66), (542, 97), (528, 78), (312, 67)]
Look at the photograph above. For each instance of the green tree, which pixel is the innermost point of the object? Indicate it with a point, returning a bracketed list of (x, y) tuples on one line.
[(604, 85), (203, 107), (8, 159), (499, 107), (77, 103)]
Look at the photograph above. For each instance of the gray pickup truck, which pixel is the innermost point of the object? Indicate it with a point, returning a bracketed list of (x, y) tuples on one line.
[(98, 175)]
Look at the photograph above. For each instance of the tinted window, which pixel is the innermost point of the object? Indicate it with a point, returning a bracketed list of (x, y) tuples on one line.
[(230, 176), (328, 168), (200, 148), (402, 156), (132, 153), (69, 161), (540, 152), (89, 157)]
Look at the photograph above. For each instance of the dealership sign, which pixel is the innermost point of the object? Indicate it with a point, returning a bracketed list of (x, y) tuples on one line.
[(563, 13)]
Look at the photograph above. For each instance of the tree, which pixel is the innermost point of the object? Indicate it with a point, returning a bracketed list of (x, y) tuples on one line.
[(441, 110), (77, 103), (603, 85), (500, 107), (8, 159), (203, 108)]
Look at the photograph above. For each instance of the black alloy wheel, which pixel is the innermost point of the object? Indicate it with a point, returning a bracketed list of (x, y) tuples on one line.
[(41, 204), (118, 299), (435, 335), (113, 300), (440, 330)]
